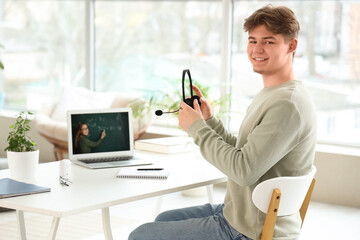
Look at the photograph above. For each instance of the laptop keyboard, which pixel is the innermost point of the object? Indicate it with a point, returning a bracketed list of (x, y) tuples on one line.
[(101, 160)]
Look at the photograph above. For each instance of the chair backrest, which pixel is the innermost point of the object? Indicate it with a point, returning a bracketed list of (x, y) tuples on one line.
[(293, 191)]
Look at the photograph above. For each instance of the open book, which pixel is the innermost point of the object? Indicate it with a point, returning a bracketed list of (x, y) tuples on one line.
[(143, 173)]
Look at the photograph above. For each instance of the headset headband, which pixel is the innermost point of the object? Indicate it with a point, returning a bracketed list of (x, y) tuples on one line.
[(183, 80)]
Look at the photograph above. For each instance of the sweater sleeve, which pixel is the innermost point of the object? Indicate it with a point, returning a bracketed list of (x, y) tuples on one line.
[(219, 128), (275, 134)]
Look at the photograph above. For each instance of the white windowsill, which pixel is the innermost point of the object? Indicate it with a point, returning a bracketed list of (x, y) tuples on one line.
[(320, 147), (340, 150)]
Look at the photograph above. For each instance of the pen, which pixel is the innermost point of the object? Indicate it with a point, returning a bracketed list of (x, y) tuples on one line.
[(150, 169)]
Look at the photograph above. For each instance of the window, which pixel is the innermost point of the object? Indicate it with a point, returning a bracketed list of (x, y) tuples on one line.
[(357, 120), (43, 50), (143, 46)]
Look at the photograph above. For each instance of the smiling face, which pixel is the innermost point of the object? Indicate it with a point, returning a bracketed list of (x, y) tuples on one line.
[(84, 129), (270, 55)]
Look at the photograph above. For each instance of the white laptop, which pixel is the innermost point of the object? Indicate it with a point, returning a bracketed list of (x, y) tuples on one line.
[(102, 138)]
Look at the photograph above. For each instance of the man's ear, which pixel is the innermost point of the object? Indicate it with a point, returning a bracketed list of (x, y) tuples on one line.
[(293, 45)]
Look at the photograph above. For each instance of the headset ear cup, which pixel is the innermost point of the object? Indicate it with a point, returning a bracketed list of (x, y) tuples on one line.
[(196, 97), (189, 102)]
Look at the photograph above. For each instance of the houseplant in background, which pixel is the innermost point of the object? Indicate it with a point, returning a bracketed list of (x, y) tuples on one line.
[(142, 114), (171, 98), (22, 155)]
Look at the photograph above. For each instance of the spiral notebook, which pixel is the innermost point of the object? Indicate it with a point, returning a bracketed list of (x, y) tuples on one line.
[(142, 173)]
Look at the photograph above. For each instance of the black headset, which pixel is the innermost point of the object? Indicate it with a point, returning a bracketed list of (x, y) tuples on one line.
[(189, 101)]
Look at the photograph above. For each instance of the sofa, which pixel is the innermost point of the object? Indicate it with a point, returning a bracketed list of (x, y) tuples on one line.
[(51, 122)]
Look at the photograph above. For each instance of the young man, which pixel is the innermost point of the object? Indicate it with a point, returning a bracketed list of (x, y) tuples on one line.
[(277, 138)]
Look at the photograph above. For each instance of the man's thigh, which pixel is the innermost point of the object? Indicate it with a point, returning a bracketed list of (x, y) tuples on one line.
[(206, 228), (201, 211)]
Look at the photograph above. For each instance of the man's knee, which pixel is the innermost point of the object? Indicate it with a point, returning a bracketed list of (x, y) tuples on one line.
[(171, 215), (150, 231), (163, 217), (139, 233)]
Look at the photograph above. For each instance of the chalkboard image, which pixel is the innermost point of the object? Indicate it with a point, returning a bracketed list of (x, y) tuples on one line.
[(100, 132)]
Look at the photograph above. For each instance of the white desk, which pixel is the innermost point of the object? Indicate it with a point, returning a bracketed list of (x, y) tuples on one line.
[(100, 189)]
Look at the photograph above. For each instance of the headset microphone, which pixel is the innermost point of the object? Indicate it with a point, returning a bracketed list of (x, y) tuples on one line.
[(188, 101), (160, 112)]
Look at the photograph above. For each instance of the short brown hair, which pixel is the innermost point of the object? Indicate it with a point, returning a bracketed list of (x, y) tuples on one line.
[(278, 20)]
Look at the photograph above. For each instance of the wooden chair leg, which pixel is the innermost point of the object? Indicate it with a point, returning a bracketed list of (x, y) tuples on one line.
[(55, 154), (306, 201), (270, 220)]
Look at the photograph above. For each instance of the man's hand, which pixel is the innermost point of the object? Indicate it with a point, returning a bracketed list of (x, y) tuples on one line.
[(205, 107), (189, 115)]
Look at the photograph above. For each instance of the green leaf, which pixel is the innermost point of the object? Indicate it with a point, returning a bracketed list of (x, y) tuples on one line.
[(18, 138)]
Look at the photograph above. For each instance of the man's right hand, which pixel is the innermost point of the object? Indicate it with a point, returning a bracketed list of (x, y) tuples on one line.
[(205, 107)]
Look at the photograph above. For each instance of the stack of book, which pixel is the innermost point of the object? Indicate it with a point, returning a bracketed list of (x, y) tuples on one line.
[(166, 144)]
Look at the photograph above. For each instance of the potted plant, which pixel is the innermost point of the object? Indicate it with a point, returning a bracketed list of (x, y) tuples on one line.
[(22, 155)]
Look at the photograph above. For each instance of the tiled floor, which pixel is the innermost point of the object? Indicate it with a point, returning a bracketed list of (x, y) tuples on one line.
[(322, 222)]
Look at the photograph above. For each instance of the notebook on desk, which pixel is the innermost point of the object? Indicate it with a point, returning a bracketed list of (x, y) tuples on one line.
[(13, 188), (102, 138)]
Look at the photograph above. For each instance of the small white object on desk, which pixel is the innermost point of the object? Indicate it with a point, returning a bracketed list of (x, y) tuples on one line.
[(64, 168)]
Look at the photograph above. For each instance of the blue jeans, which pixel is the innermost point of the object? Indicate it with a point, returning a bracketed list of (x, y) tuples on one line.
[(204, 222)]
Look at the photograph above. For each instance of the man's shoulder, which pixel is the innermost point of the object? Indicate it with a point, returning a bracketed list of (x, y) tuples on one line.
[(294, 91)]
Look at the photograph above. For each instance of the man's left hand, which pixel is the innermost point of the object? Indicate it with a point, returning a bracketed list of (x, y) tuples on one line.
[(189, 115)]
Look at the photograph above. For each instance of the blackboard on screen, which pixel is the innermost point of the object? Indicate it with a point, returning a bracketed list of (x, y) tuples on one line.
[(116, 126)]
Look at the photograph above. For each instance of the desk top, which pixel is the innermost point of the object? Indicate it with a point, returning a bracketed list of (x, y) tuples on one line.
[(100, 188)]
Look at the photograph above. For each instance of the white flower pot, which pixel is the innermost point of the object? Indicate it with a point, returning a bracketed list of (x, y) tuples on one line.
[(23, 165)]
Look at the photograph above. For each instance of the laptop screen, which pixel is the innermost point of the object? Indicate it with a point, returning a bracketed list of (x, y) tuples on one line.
[(99, 132)]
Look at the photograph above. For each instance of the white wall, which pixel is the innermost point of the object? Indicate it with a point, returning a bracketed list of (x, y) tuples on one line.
[(337, 177)]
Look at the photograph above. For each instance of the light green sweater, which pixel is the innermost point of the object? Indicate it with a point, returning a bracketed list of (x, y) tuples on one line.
[(277, 138)]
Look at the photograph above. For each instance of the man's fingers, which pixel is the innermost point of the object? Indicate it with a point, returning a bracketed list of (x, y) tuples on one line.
[(197, 91), (196, 105)]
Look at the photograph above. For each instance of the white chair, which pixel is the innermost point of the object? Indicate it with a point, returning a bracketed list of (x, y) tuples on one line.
[(283, 196)]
